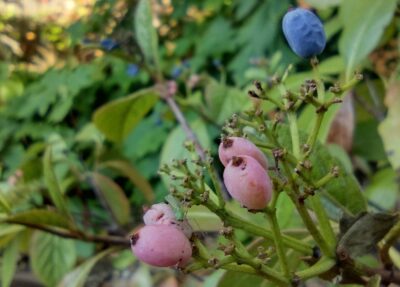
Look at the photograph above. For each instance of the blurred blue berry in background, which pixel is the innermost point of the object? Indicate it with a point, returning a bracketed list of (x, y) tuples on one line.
[(217, 63), (186, 64), (108, 44), (176, 72), (304, 32), (132, 70), (86, 41)]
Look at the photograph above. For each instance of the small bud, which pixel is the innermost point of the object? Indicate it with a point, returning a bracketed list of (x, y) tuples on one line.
[(335, 171), (253, 94), (359, 76), (258, 85), (213, 261), (226, 231)]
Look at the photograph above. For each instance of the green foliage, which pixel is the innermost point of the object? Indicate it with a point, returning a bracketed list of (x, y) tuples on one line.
[(124, 113), (52, 183), (359, 235), (77, 277), (83, 129), (391, 123), (113, 196), (51, 257), (363, 30), (145, 33), (9, 265)]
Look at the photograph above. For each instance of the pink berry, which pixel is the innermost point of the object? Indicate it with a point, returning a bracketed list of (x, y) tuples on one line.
[(162, 213), (161, 245), (158, 213), (235, 146), (248, 182)]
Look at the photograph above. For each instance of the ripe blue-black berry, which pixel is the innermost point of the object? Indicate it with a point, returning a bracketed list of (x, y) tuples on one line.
[(304, 32)]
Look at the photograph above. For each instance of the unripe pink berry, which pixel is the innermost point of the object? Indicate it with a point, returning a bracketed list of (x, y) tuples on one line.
[(235, 146), (162, 213), (248, 182), (158, 213), (161, 245)]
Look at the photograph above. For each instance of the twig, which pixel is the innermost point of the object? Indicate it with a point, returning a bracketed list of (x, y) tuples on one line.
[(190, 135), (168, 95), (111, 240)]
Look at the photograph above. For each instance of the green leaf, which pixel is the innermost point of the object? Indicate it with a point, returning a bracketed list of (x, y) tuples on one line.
[(116, 119), (383, 188), (4, 205), (362, 30), (236, 279), (52, 182), (360, 235), (77, 277), (391, 123), (374, 281), (9, 263), (146, 34), (123, 260), (113, 196), (343, 193), (367, 142), (173, 147), (176, 206), (128, 170), (286, 212), (51, 257), (323, 4), (41, 217), (202, 219), (222, 101)]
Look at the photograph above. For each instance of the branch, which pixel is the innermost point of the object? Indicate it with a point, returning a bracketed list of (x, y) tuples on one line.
[(77, 235), (168, 92), (190, 135)]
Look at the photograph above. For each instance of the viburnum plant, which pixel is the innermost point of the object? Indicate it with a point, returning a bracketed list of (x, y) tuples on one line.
[(266, 156)]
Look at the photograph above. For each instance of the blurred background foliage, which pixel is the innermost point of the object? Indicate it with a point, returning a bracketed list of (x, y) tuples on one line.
[(74, 121)]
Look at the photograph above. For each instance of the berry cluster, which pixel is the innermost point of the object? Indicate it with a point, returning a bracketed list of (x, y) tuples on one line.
[(245, 174), (164, 240)]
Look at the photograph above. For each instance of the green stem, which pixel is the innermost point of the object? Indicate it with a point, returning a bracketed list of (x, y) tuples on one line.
[(216, 184), (314, 133), (323, 265), (271, 216), (323, 220), (388, 241), (268, 272), (308, 222), (317, 76), (240, 268), (231, 219), (305, 216), (241, 255), (202, 250), (294, 132), (324, 180)]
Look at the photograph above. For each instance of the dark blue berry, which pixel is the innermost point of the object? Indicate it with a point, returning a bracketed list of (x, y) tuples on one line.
[(176, 72), (108, 44), (132, 70), (186, 64), (304, 32), (217, 63)]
